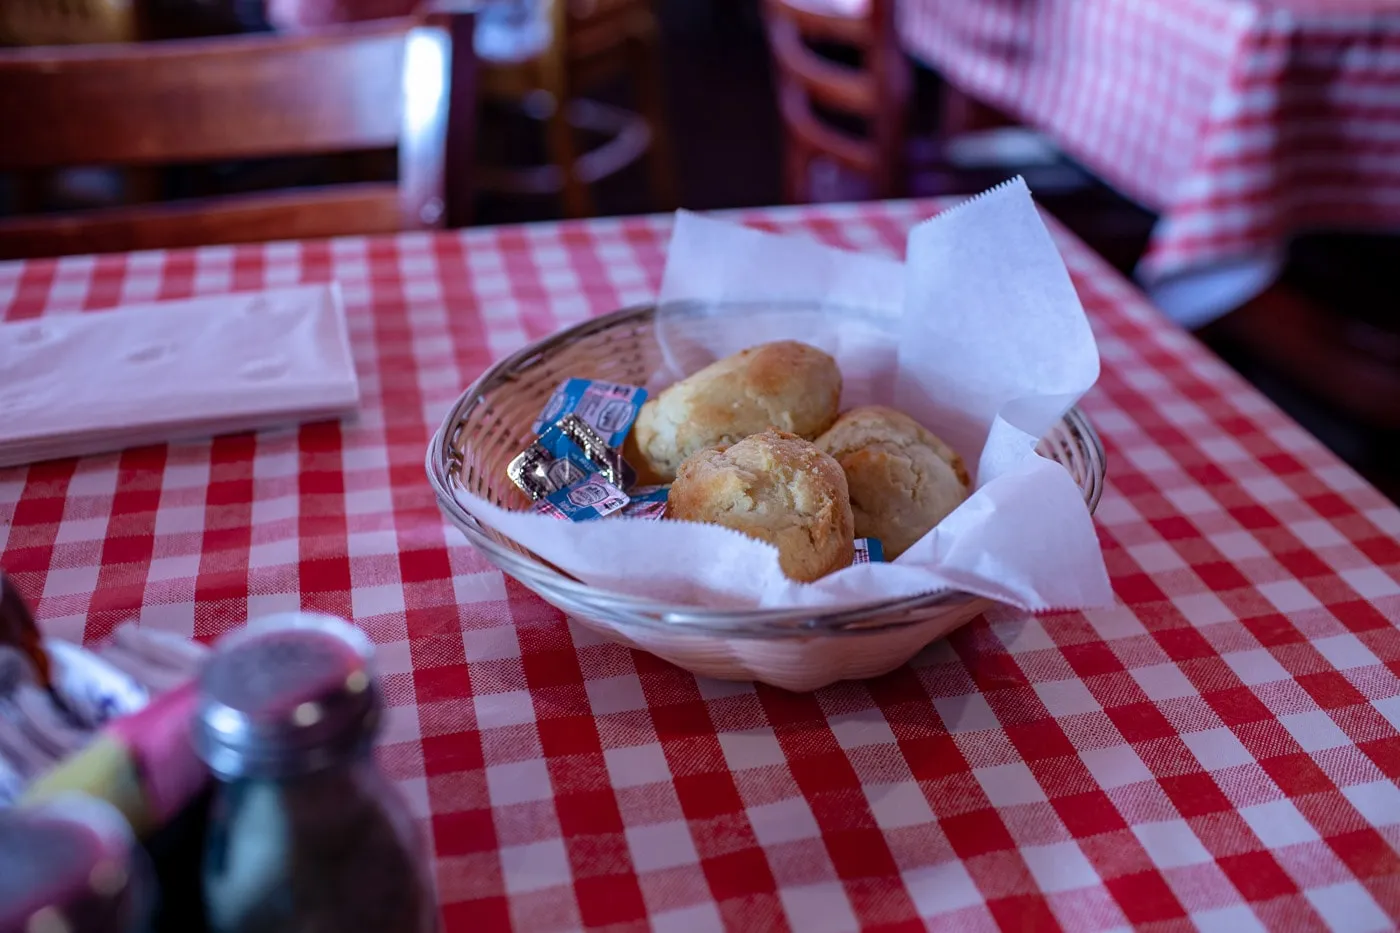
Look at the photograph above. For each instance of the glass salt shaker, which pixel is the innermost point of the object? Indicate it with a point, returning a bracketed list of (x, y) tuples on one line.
[(306, 834), (72, 865)]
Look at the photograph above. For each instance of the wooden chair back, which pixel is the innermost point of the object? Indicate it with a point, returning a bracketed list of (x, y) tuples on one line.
[(371, 86), (876, 91)]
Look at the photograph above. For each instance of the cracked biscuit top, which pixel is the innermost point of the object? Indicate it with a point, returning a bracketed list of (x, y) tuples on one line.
[(902, 478), (775, 487), (786, 385)]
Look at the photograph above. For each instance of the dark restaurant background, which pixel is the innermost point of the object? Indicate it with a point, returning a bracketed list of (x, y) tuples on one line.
[(1323, 342)]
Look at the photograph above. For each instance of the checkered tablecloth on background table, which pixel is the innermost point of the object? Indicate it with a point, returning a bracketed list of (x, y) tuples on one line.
[(1242, 122), (1219, 749)]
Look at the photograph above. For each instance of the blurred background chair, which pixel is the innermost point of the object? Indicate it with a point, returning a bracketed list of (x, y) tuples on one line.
[(537, 59), (843, 92), (861, 121), (44, 22), (391, 83), (86, 22), (92, 22), (541, 61)]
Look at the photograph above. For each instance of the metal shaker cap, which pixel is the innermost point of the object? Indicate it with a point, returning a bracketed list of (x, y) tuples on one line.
[(290, 694)]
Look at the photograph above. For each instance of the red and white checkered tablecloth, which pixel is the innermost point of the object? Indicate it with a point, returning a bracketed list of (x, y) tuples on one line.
[(1220, 749), (1242, 121)]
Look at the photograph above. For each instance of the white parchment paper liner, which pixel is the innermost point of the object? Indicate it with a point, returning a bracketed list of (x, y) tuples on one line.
[(978, 334)]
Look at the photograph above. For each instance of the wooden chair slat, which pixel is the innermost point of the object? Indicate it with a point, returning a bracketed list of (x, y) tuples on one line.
[(371, 207), (369, 86), (201, 99), (876, 91)]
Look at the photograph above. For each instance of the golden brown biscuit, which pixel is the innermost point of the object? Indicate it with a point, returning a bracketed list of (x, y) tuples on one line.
[(775, 487), (902, 479), (786, 385)]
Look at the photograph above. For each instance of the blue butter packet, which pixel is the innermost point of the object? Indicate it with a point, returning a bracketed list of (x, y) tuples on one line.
[(572, 440), (568, 451), (647, 502), (868, 551), (594, 497), (607, 407), (572, 459)]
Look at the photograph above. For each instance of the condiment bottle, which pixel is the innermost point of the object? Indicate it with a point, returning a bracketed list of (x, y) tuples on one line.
[(306, 834), (71, 865)]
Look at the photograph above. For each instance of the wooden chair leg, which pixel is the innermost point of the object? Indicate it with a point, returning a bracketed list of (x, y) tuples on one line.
[(797, 173), (651, 101), (891, 126), (563, 152), (891, 176)]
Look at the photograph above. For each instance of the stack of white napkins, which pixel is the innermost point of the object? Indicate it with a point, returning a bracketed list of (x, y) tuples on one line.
[(77, 384)]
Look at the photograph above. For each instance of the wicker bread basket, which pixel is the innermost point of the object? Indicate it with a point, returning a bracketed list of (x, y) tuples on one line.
[(800, 649)]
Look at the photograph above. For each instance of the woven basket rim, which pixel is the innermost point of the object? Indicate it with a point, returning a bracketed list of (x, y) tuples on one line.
[(442, 460)]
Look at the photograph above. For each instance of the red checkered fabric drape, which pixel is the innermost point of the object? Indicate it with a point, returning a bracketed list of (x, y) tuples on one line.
[(1243, 122)]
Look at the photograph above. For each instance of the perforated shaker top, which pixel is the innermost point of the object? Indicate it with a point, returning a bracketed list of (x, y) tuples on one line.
[(290, 694)]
